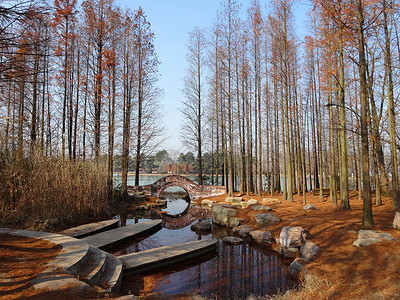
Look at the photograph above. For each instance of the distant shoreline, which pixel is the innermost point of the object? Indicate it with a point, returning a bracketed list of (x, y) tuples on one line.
[(154, 174), (160, 174)]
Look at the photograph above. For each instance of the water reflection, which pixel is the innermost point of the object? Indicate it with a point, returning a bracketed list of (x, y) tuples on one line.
[(236, 272), (176, 207)]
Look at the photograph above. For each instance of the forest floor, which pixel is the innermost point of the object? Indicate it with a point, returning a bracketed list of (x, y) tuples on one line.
[(341, 271)]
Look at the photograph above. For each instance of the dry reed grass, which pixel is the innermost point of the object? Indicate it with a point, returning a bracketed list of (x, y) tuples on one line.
[(44, 193)]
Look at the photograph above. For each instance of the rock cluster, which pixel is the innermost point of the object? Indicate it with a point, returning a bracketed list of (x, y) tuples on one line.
[(293, 240)]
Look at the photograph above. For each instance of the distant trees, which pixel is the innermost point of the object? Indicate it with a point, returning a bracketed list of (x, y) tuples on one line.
[(192, 110)]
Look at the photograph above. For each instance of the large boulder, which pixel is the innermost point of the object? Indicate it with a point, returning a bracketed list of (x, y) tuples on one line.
[(202, 226), (308, 251), (222, 214), (368, 237), (293, 236), (266, 219), (261, 236), (232, 240), (234, 200), (396, 221)]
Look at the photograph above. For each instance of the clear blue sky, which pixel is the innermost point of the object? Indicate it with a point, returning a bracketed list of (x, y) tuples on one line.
[(171, 21)]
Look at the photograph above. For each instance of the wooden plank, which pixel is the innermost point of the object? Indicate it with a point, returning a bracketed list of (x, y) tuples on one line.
[(91, 228), (113, 237), (164, 256)]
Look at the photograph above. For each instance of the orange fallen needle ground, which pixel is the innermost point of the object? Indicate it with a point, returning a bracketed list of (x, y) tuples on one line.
[(341, 271)]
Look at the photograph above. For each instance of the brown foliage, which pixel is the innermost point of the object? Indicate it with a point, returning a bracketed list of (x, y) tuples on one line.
[(45, 193)]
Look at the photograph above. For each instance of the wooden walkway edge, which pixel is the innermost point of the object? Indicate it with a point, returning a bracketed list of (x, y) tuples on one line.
[(107, 239), (90, 229), (161, 257)]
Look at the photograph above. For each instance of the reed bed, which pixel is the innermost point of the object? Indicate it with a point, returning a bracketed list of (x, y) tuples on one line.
[(44, 193)]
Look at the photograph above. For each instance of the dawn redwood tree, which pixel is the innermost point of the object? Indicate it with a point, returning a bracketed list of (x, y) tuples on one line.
[(229, 15), (64, 16), (256, 24), (128, 75), (193, 91), (97, 20), (147, 128)]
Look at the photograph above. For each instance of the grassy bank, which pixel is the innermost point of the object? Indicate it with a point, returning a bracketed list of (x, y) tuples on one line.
[(45, 193)]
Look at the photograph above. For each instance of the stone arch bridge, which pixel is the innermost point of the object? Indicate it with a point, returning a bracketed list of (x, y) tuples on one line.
[(194, 190)]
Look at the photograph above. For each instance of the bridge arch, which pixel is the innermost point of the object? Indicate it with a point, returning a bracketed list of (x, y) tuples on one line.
[(194, 190)]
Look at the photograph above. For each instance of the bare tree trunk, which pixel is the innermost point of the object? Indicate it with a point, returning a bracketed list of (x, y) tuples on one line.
[(344, 177), (332, 150), (368, 220), (392, 116)]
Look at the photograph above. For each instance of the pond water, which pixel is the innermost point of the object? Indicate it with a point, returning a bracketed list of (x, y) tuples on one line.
[(234, 272)]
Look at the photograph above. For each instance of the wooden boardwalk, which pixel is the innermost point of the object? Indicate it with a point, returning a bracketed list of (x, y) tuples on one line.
[(164, 256), (90, 229), (113, 237)]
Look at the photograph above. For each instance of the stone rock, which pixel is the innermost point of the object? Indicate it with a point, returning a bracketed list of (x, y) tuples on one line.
[(293, 236), (286, 252), (244, 204), (266, 219), (308, 251), (271, 201), (221, 214), (295, 267), (234, 200), (243, 230), (232, 240), (234, 222), (261, 207), (261, 237), (396, 221), (204, 225), (368, 237), (309, 207), (208, 203), (252, 202)]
